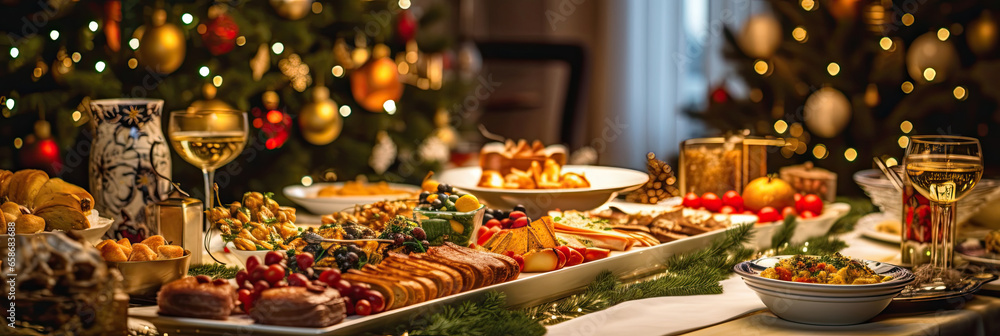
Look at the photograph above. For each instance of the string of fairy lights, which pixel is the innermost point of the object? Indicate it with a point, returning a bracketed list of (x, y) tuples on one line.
[(795, 136)]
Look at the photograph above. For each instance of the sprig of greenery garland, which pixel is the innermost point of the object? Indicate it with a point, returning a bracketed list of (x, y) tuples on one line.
[(215, 271)]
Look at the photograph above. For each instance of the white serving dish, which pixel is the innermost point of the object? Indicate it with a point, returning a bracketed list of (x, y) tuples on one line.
[(306, 197), (806, 228), (605, 184), (824, 304), (521, 292), (823, 310), (868, 226), (93, 235), (244, 255)]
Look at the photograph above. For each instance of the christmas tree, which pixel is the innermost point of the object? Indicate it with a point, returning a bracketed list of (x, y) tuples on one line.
[(843, 81), (386, 69)]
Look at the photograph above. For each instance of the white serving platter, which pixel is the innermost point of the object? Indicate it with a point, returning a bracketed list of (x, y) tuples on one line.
[(306, 197)]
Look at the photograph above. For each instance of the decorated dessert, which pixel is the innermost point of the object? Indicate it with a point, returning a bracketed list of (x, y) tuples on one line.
[(834, 269), (35, 202), (258, 223), (197, 296), (447, 215)]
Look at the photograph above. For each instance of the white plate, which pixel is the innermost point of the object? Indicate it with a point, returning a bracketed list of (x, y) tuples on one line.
[(868, 226), (605, 184), (306, 197), (93, 234)]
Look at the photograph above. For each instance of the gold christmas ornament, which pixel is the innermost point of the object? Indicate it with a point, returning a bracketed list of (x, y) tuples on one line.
[(209, 101), (43, 130), (319, 120), (760, 37), (929, 59), (260, 62), (375, 83), (292, 9), (270, 99), (162, 46), (843, 9), (876, 15), (981, 34), (827, 112)]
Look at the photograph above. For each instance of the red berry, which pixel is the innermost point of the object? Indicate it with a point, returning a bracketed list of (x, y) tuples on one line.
[(273, 257), (252, 263), (260, 286), (343, 286), (330, 276), (514, 215), (274, 273), (767, 215), (493, 223), (304, 260), (727, 209), (711, 202), (691, 200), (348, 305), (257, 273), (363, 308), (733, 199), (298, 280), (377, 301), (519, 222), (242, 275), (788, 211), (506, 223)]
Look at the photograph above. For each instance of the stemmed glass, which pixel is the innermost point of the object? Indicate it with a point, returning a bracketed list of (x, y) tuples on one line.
[(208, 139), (943, 169)]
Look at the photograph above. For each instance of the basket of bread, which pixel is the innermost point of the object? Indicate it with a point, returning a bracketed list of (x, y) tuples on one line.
[(146, 265), (34, 202)]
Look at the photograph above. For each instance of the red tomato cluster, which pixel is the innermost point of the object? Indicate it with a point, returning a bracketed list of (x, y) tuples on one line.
[(807, 206)]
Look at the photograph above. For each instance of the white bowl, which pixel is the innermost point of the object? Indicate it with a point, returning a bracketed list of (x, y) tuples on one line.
[(605, 184), (306, 197), (805, 228), (242, 255), (890, 200), (750, 271), (823, 310)]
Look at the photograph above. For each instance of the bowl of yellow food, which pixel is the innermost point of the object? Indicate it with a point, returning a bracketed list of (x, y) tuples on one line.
[(824, 290), (326, 198), (147, 265)]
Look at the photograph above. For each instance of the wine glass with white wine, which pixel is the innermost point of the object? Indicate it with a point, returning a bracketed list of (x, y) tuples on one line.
[(943, 169), (208, 139)]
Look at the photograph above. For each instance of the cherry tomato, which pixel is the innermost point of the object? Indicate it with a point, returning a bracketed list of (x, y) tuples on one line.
[(274, 273), (733, 199), (691, 200), (492, 223), (252, 263), (298, 280), (783, 273), (330, 276), (807, 214), (246, 298), (514, 215), (811, 203), (343, 286), (273, 257), (257, 273), (304, 260), (260, 286), (711, 202), (377, 301), (788, 211), (727, 209), (363, 308), (348, 305), (767, 215)]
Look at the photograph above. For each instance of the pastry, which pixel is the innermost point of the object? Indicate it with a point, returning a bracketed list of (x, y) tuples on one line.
[(28, 224), (62, 205), (112, 252), (299, 307), (197, 297), (141, 252), (169, 252), (24, 186), (154, 242)]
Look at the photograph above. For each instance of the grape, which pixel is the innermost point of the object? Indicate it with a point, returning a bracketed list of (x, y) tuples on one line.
[(436, 204), (443, 188), (273, 257), (399, 240), (304, 260), (352, 257), (453, 198), (423, 196), (419, 233), (520, 208), (487, 217), (241, 276)]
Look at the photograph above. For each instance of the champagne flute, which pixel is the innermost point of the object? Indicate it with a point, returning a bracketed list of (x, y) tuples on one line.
[(943, 169), (208, 139)]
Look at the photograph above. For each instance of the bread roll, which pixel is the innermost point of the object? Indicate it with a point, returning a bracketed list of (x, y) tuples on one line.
[(4, 181), (154, 242), (113, 252), (55, 191), (63, 217), (28, 224), (169, 252), (25, 185)]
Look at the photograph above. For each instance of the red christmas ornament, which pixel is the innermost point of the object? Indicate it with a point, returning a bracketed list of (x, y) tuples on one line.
[(112, 31), (720, 95), (41, 154), (406, 26), (220, 34)]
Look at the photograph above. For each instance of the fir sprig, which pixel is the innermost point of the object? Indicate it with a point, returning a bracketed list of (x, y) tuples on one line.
[(215, 271), (785, 233), (822, 245), (486, 317)]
